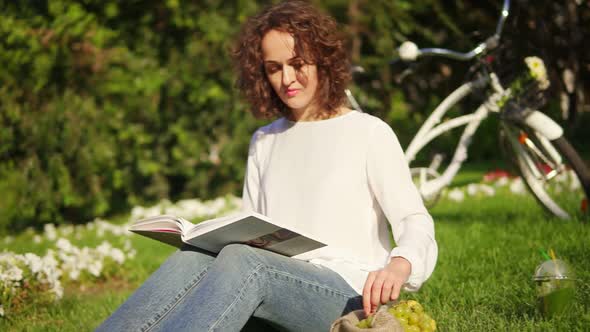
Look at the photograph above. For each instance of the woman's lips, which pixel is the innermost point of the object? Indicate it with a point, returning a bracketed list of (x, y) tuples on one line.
[(292, 92)]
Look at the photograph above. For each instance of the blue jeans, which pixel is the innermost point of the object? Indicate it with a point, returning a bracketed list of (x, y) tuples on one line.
[(196, 291)]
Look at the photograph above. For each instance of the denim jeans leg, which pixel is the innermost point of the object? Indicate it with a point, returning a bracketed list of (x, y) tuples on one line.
[(195, 291), (244, 282), (162, 291), (301, 296)]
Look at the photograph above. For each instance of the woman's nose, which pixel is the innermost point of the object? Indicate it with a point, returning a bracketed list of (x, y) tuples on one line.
[(288, 75)]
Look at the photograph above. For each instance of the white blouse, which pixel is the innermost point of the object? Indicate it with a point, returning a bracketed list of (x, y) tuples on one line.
[(340, 181)]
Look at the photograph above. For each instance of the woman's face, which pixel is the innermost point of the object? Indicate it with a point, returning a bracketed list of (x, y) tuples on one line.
[(294, 81)]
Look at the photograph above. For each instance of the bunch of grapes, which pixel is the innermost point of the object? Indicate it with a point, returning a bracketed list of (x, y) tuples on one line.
[(365, 323), (410, 314)]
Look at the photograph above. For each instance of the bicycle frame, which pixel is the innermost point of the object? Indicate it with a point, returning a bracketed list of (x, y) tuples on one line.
[(432, 128), (535, 139), (545, 129)]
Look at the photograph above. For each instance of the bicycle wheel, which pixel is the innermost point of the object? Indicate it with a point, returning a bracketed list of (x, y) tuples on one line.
[(552, 170)]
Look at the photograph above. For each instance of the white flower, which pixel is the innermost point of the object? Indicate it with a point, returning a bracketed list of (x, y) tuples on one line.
[(50, 231), (66, 230), (64, 245), (1, 311), (487, 190), (537, 71), (74, 274), (33, 262), (517, 187), (14, 273), (95, 268), (471, 189), (131, 253), (502, 181), (50, 265), (104, 226), (104, 248), (37, 238), (57, 290), (118, 255), (456, 195)]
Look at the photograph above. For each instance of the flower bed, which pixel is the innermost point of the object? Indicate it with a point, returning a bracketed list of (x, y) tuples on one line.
[(29, 278)]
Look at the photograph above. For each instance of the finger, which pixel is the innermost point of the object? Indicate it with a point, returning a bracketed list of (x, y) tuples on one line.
[(395, 291), (376, 291), (367, 293), (387, 290)]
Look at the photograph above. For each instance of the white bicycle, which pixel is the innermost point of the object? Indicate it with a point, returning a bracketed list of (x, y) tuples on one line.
[(548, 164)]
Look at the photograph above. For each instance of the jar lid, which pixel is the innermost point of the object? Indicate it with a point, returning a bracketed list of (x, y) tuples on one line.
[(553, 269)]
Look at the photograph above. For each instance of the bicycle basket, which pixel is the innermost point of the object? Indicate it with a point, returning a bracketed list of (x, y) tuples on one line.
[(526, 90)]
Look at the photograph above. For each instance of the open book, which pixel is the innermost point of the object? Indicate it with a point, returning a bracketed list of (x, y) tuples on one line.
[(212, 235)]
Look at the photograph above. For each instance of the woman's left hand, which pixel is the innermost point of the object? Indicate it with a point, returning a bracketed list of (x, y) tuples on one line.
[(384, 285)]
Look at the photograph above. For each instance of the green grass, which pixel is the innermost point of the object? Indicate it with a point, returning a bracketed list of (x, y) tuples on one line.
[(488, 251)]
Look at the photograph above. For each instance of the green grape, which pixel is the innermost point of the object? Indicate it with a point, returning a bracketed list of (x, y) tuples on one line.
[(404, 316), (403, 320), (363, 324), (424, 323), (405, 326), (415, 306), (432, 325), (413, 318), (402, 309)]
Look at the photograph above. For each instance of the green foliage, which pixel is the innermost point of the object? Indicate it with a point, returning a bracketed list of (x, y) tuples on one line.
[(105, 104)]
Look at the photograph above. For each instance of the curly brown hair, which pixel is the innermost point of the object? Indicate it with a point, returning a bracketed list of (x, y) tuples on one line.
[(317, 41)]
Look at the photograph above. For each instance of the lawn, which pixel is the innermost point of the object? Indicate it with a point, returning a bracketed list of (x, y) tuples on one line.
[(488, 251)]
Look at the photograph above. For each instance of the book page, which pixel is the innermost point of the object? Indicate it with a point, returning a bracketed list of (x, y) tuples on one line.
[(255, 232), (210, 225), (162, 222), (171, 238), (295, 246), (290, 246)]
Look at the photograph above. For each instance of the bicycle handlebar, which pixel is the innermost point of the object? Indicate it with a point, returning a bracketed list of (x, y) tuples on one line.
[(408, 51)]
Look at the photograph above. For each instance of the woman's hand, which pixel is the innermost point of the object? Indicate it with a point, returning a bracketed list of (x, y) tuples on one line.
[(384, 285)]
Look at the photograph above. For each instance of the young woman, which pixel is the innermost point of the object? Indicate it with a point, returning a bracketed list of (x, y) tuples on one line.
[(331, 172)]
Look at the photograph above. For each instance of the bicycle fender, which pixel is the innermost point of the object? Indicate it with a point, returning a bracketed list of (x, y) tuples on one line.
[(544, 125)]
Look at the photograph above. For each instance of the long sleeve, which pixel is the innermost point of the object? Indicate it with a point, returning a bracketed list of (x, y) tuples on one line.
[(342, 180), (412, 225), (251, 191)]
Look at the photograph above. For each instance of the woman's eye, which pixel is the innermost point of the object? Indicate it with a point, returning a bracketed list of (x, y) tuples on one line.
[(272, 69), (297, 65)]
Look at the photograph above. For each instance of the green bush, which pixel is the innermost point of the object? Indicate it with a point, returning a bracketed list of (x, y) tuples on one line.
[(100, 110), (106, 104)]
